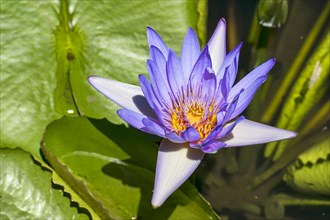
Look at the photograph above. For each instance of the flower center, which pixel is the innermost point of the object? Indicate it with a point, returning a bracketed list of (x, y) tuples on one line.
[(196, 113)]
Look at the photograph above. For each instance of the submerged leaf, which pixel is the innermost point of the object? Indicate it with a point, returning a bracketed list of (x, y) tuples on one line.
[(310, 174), (306, 92), (112, 168), (272, 13)]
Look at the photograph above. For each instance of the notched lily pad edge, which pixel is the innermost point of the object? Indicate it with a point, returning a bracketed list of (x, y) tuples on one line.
[(59, 184), (111, 209), (79, 184), (301, 165), (36, 161)]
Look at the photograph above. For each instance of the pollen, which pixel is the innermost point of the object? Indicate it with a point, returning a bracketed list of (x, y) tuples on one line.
[(196, 112)]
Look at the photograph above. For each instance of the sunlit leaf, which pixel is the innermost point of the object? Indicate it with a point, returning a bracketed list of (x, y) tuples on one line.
[(310, 174), (112, 168), (26, 190), (48, 48), (114, 45), (71, 193), (310, 29), (27, 72), (306, 92)]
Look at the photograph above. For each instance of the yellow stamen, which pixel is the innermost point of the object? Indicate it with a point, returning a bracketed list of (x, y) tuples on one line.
[(194, 114)]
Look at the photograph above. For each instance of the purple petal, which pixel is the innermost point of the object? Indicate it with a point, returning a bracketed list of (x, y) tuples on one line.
[(190, 134), (220, 116), (149, 94), (212, 146), (208, 83), (153, 127), (223, 88), (202, 63), (224, 84), (175, 164), (174, 70), (152, 100), (125, 95), (230, 64), (220, 98), (173, 137), (140, 122), (217, 45), (158, 58), (258, 72), (248, 132), (232, 107), (158, 84), (189, 53), (155, 40), (250, 83), (229, 127), (246, 96), (214, 134)]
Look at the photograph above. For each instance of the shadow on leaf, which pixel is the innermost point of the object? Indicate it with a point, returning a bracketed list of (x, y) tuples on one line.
[(137, 177)]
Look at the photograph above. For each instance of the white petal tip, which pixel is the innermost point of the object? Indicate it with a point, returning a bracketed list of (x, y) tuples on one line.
[(217, 45), (122, 94), (158, 199), (248, 132), (93, 79), (100, 83), (175, 164), (223, 21), (289, 135), (155, 206), (284, 134), (293, 134)]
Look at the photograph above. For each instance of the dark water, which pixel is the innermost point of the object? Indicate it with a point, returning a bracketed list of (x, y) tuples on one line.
[(225, 182)]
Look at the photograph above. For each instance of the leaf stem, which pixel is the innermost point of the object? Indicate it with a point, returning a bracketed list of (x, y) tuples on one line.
[(317, 118), (293, 200), (288, 158), (293, 71)]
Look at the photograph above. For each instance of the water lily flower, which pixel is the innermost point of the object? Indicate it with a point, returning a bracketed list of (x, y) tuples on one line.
[(192, 103)]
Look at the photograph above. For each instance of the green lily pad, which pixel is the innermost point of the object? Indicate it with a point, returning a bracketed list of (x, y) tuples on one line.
[(27, 72), (26, 190), (116, 43), (112, 168), (318, 153), (68, 191), (310, 174), (49, 50)]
